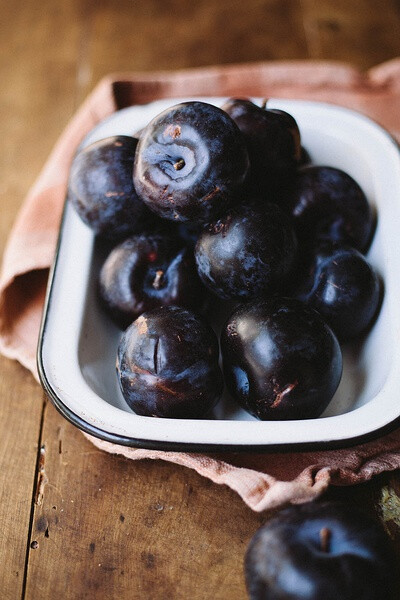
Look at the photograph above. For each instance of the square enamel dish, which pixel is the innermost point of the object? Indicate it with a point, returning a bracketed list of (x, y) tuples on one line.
[(78, 343)]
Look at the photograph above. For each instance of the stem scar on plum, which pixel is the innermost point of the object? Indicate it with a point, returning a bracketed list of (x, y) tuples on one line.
[(158, 280), (179, 164), (325, 538)]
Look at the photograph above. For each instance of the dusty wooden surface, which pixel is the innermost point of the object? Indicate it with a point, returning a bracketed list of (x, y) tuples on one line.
[(75, 522)]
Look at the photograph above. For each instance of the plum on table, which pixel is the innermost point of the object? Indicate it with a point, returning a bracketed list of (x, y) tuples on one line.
[(320, 551)]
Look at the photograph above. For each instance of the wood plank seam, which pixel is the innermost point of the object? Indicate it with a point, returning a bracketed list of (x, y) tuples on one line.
[(37, 488)]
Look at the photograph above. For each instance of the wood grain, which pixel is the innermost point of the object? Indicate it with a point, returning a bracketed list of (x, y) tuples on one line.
[(174, 34), (104, 527), (37, 97), (114, 528), (20, 421), (363, 32)]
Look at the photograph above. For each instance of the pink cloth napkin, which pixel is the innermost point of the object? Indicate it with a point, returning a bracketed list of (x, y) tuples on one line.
[(263, 481)]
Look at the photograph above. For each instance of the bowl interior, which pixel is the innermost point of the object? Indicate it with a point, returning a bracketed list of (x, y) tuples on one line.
[(87, 381)]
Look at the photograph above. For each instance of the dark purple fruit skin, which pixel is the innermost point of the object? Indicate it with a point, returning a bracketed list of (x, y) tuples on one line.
[(273, 142), (305, 158), (327, 205), (281, 360), (168, 364), (189, 233), (344, 288), (101, 189), (215, 163), (248, 253), (146, 271), (320, 551)]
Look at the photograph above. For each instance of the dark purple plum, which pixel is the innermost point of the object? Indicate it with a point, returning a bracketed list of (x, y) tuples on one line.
[(273, 142), (305, 158), (248, 253), (168, 364), (191, 163), (320, 551), (327, 205), (146, 271), (189, 233), (281, 360), (101, 188), (344, 288)]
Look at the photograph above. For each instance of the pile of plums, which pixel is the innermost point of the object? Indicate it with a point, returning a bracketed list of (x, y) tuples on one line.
[(221, 206)]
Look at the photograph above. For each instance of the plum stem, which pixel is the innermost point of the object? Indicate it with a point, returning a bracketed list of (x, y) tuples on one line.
[(264, 103), (158, 280), (180, 163), (324, 537)]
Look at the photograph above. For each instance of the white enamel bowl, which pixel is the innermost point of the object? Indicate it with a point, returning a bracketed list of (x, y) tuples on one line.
[(77, 348)]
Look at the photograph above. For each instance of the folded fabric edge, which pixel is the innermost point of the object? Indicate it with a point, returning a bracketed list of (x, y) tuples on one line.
[(20, 316), (20, 355), (259, 491), (387, 73), (317, 74)]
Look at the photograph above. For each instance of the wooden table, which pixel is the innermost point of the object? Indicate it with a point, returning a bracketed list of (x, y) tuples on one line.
[(74, 522)]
